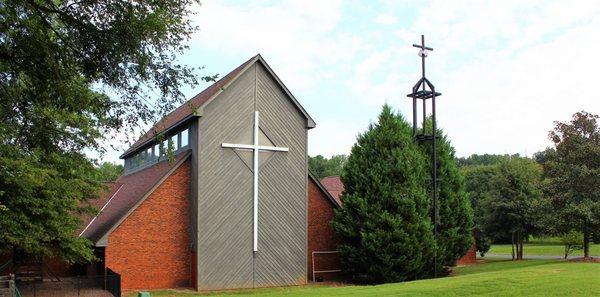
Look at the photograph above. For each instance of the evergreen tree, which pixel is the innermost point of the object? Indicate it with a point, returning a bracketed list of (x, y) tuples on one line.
[(455, 215), (384, 222)]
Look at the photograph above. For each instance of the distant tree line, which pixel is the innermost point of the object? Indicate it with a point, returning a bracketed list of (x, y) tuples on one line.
[(557, 192), (321, 166)]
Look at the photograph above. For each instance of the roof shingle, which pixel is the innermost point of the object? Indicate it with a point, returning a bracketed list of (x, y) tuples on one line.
[(186, 109), (335, 187), (125, 194)]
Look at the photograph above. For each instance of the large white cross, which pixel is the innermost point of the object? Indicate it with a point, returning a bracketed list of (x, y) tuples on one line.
[(255, 148)]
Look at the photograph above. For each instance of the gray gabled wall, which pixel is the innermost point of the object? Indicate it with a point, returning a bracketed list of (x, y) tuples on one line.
[(224, 189)]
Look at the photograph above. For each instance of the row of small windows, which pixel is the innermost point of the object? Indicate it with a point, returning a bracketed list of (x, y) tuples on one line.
[(152, 154)]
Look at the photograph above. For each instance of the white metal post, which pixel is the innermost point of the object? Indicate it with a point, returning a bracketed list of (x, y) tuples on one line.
[(255, 165)]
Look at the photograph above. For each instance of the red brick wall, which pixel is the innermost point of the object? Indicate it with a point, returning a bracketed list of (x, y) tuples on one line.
[(321, 236), (470, 257), (151, 248)]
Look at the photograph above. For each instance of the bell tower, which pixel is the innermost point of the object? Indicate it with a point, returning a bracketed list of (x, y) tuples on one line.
[(424, 90)]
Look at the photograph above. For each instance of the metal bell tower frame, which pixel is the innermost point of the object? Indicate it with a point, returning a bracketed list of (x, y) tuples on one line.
[(424, 90)]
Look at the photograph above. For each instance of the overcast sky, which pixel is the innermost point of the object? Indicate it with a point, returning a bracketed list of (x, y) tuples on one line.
[(507, 69)]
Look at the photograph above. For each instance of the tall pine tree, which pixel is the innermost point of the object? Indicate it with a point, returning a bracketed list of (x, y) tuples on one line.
[(384, 222)]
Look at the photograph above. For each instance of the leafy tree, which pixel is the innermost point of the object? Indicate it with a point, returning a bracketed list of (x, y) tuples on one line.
[(59, 60), (573, 241), (542, 156), (384, 222), (455, 215), (572, 170), (108, 172), (322, 167), (510, 208), (485, 159), (479, 186)]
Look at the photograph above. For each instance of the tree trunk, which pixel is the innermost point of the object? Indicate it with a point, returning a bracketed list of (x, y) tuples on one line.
[(517, 240), (512, 244), (520, 257), (586, 241)]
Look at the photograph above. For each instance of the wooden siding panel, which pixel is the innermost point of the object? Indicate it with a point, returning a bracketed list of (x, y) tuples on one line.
[(225, 258), (281, 259)]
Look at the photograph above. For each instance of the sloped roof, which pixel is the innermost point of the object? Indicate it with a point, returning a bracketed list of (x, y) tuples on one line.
[(126, 194), (334, 186), (98, 203), (188, 109), (333, 200)]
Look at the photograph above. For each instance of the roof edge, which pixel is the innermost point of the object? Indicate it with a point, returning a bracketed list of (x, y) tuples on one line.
[(104, 237), (250, 62), (200, 109), (310, 123), (322, 188)]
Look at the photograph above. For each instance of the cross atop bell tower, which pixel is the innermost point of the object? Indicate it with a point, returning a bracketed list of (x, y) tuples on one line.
[(423, 53), (424, 90)]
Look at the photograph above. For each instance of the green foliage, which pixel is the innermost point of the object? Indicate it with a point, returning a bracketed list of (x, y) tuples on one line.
[(479, 187), (514, 196), (572, 170), (512, 207), (482, 243), (455, 215), (59, 60), (384, 223), (572, 240), (506, 199), (41, 196), (321, 167), (107, 172), (485, 159)]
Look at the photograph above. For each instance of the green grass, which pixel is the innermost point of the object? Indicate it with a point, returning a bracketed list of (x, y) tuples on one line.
[(543, 247), (495, 278)]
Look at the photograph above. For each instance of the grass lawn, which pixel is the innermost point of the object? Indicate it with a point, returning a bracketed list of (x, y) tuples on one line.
[(543, 247), (494, 278)]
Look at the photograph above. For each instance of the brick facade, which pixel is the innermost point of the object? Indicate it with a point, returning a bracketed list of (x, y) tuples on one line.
[(150, 249), (470, 257), (321, 236)]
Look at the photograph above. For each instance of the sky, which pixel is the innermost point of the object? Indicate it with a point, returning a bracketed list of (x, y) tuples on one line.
[(506, 69)]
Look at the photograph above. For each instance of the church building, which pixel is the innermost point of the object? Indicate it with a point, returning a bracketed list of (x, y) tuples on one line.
[(233, 206)]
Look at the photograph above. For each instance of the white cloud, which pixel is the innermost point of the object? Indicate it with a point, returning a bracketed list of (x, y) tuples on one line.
[(386, 19), (334, 137), (507, 69), (295, 36)]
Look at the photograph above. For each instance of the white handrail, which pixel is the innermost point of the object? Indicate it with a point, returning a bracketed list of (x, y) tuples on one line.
[(321, 271)]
